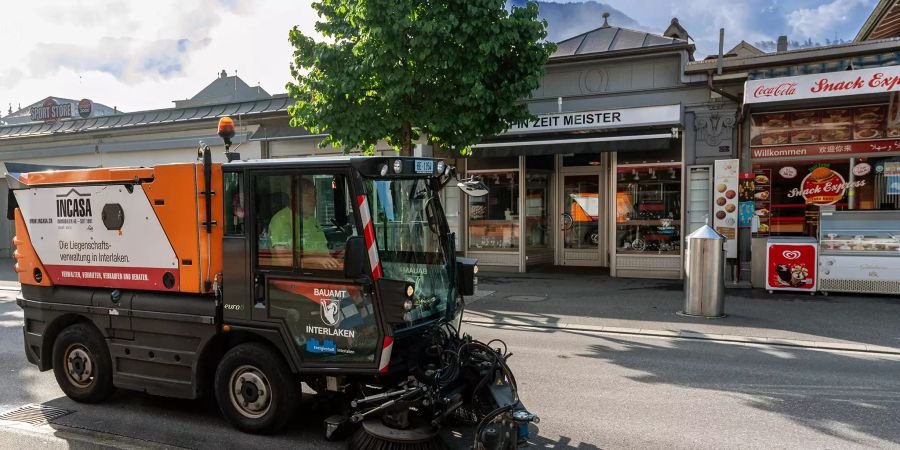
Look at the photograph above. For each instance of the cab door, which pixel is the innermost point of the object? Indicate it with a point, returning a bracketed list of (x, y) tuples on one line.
[(302, 223)]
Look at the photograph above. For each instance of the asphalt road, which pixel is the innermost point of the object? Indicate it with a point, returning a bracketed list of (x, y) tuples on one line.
[(591, 391)]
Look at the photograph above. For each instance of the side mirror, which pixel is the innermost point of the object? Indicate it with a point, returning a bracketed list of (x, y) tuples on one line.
[(473, 187), (355, 256), (466, 268)]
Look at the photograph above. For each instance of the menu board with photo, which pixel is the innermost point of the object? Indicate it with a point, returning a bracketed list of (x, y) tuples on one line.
[(762, 201), (861, 123), (725, 195)]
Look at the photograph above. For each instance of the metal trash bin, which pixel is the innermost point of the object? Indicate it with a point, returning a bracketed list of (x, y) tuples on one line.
[(704, 274)]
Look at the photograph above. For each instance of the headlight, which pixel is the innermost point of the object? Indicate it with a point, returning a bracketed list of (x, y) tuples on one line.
[(408, 305), (447, 171), (407, 317), (410, 290), (440, 167), (398, 166), (475, 270), (384, 169)]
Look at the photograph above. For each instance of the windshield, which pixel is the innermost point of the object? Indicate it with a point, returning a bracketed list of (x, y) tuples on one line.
[(407, 228)]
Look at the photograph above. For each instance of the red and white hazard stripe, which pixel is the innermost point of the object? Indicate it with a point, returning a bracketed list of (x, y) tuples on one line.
[(369, 233), (386, 354)]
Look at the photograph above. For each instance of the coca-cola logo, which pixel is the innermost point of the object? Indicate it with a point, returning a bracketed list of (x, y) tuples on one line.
[(791, 254), (782, 90)]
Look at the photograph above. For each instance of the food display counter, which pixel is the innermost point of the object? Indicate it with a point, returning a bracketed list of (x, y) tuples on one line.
[(859, 251)]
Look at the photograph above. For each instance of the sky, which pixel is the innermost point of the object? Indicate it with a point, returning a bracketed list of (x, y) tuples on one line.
[(143, 55)]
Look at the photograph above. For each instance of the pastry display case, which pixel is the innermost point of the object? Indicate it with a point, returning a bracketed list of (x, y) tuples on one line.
[(859, 251)]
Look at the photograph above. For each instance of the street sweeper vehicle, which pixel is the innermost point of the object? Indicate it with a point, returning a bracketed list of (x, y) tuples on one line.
[(244, 279)]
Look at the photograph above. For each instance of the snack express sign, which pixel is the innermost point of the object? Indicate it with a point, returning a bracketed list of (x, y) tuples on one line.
[(823, 85)]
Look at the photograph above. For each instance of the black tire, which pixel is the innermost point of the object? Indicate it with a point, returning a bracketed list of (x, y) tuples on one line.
[(267, 394), (82, 365)]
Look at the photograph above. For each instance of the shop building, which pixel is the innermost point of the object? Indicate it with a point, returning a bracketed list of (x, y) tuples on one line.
[(819, 159), (616, 168)]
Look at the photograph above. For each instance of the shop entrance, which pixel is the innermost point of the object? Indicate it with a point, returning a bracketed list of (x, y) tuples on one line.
[(582, 213)]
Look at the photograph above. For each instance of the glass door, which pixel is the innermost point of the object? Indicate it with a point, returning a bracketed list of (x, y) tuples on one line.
[(581, 233)]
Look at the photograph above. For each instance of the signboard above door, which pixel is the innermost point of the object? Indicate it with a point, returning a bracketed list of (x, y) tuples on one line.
[(823, 85), (600, 119)]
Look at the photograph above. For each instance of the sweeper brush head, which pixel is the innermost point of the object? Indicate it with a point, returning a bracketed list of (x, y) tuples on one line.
[(373, 435)]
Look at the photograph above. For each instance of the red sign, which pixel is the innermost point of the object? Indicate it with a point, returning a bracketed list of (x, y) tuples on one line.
[(822, 85), (145, 278), (823, 186), (50, 111), (791, 267), (84, 107), (784, 151)]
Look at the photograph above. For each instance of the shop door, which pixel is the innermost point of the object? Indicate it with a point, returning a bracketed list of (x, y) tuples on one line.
[(581, 217)]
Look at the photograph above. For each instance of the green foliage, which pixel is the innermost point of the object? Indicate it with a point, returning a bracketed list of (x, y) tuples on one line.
[(451, 70)]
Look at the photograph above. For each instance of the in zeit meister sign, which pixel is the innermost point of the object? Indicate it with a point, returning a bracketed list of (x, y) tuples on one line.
[(589, 120), (823, 85)]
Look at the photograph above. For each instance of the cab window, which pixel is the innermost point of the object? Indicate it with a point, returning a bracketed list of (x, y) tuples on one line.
[(302, 221), (234, 203)]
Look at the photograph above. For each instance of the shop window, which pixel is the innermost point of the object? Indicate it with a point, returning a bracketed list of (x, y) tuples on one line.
[(581, 159), (506, 163), (648, 209), (494, 217), (671, 154), (783, 198)]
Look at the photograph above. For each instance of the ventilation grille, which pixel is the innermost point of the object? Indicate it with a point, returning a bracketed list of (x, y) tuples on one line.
[(34, 414), (862, 286)]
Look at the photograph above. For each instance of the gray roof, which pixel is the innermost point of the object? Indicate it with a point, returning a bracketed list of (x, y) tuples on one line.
[(277, 103), (222, 90), (611, 39)]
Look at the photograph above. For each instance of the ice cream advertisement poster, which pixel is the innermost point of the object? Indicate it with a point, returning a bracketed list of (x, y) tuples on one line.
[(725, 203)]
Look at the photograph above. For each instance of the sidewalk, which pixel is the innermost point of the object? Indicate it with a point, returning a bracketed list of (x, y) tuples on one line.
[(590, 302)]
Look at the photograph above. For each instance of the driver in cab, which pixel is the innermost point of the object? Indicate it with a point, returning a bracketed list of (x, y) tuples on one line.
[(313, 246)]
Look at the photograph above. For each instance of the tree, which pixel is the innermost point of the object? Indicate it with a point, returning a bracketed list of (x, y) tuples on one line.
[(453, 71)]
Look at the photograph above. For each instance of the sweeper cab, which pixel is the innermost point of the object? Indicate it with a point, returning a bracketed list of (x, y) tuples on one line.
[(244, 279)]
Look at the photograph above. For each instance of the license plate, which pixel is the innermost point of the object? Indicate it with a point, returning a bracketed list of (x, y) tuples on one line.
[(424, 166)]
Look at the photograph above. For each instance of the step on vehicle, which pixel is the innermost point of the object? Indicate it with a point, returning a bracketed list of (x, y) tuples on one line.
[(248, 278)]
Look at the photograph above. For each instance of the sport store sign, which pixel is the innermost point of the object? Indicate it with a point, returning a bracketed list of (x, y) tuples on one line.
[(826, 131), (832, 84), (600, 119)]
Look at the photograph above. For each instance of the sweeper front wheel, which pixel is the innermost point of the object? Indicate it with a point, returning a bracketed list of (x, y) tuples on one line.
[(374, 435)]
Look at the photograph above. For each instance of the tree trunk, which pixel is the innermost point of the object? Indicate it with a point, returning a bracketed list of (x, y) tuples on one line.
[(406, 144)]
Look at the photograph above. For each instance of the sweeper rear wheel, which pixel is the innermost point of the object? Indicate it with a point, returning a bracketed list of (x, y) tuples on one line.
[(374, 435)]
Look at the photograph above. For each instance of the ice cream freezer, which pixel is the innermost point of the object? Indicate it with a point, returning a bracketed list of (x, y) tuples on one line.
[(791, 264), (859, 251)]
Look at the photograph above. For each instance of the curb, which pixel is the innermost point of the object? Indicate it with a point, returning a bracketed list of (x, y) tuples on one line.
[(686, 334)]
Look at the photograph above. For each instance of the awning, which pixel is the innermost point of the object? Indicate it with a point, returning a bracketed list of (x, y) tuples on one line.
[(551, 145)]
